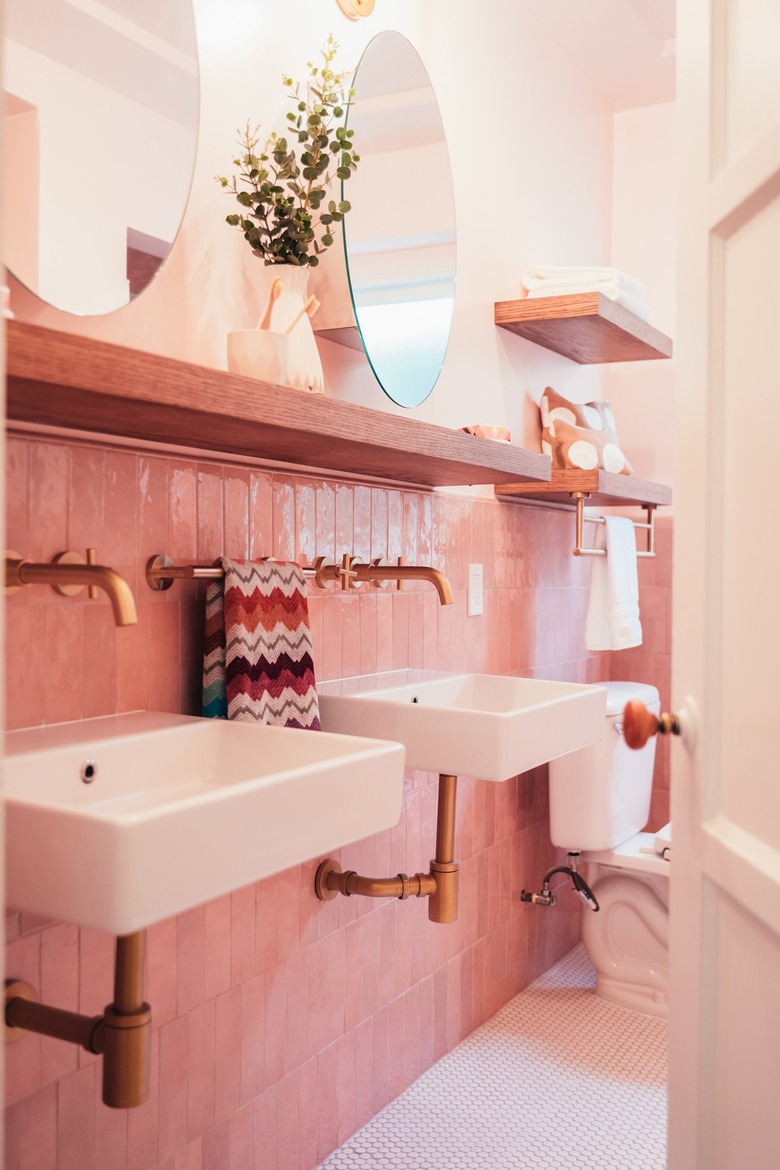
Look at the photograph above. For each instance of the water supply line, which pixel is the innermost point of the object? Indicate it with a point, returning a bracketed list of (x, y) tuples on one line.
[(546, 896)]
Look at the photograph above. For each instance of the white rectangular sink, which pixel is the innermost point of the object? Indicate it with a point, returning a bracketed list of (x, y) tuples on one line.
[(121, 821), (487, 726)]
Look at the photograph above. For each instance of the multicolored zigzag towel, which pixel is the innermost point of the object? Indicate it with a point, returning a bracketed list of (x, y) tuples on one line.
[(258, 665)]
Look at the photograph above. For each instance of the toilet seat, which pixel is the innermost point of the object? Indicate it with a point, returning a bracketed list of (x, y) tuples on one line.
[(643, 853)]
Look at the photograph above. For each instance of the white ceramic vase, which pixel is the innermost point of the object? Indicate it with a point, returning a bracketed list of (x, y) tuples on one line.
[(304, 368)]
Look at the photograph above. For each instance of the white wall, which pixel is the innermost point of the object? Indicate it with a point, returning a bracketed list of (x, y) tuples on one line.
[(644, 242), (530, 147)]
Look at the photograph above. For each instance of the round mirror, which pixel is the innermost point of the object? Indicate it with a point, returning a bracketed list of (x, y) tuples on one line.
[(101, 121), (399, 236)]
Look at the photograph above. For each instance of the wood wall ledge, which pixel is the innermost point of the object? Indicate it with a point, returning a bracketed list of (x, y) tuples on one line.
[(69, 381), (603, 488), (586, 327)]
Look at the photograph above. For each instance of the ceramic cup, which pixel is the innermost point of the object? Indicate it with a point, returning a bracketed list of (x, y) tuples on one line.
[(259, 353)]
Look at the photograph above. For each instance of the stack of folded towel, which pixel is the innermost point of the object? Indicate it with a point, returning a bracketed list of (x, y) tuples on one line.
[(547, 281)]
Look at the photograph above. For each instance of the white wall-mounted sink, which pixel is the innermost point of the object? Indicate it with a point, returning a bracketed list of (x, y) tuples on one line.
[(487, 726), (179, 810)]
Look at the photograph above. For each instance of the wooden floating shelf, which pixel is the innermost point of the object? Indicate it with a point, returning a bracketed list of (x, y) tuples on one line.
[(586, 327), (65, 380), (604, 489)]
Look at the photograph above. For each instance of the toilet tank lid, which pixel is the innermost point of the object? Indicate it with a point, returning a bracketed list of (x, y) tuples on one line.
[(620, 693)]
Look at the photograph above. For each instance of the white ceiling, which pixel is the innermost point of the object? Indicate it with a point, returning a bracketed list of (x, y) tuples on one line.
[(626, 47)]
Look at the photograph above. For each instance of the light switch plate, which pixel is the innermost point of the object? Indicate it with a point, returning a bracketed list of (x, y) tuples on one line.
[(474, 598)]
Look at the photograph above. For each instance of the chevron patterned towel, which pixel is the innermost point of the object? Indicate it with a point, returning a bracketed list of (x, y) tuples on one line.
[(258, 665)]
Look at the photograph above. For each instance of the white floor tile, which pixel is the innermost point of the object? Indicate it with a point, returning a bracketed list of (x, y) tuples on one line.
[(559, 1079)]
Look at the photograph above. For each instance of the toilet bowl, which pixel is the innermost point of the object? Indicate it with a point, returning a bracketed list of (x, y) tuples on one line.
[(599, 805)]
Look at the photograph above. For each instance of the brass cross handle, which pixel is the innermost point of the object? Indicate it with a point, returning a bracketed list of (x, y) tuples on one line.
[(639, 724)]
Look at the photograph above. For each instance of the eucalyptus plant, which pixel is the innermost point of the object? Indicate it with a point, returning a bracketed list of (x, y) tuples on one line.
[(282, 187)]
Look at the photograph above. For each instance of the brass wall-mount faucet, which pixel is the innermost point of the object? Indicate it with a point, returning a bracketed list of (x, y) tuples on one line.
[(68, 573), (349, 573)]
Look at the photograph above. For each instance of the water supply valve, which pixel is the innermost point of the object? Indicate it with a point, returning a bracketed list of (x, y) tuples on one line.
[(546, 897)]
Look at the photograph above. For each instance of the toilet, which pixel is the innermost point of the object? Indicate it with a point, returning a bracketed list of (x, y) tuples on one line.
[(599, 803)]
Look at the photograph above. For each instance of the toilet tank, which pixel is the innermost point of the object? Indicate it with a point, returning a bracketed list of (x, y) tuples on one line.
[(600, 794)]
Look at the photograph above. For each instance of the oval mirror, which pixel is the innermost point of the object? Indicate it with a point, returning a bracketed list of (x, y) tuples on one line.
[(399, 236), (101, 122)]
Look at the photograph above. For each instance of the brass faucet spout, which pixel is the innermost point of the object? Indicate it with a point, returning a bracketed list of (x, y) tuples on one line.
[(68, 575), (379, 573)]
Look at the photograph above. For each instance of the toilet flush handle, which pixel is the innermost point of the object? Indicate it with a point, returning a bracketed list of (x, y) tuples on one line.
[(639, 724)]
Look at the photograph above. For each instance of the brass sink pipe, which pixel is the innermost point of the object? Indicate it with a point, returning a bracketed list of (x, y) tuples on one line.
[(68, 573), (440, 886), (123, 1034)]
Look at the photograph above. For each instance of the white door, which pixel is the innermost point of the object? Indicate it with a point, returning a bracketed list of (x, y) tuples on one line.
[(724, 1081)]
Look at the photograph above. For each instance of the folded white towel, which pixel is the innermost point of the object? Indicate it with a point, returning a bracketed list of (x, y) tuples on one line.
[(619, 295), (613, 621), (590, 277)]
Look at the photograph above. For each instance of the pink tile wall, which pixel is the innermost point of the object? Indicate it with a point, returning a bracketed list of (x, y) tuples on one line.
[(281, 1024)]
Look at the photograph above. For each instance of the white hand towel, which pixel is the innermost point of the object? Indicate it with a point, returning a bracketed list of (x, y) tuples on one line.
[(634, 305), (613, 622), (591, 277)]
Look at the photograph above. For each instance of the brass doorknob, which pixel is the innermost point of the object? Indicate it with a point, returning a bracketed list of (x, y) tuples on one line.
[(639, 724)]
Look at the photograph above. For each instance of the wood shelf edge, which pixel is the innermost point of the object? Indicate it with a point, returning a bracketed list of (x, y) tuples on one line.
[(586, 327), (67, 380), (602, 488)]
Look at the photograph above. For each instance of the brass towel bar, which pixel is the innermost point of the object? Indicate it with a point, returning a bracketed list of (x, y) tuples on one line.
[(579, 549), (349, 573)]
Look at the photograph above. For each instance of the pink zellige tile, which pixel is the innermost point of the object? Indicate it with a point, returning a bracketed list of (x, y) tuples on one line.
[(364, 1072), (252, 1048), (287, 1116), (75, 1119), (17, 488), (200, 1069), (59, 988), (161, 970), (361, 544), (296, 976), (182, 517), (284, 521), (64, 640), (174, 1062), (120, 505), (23, 1058), (99, 662), (36, 1131), (48, 505), (368, 634), (308, 1115), (325, 521), (211, 517), (216, 948), (261, 516), (215, 1146), (275, 1027), (25, 658), (165, 679), (227, 1053), (241, 1139), (152, 505), (345, 514), (85, 496), (133, 663), (190, 965), (305, 523), (236, 513)]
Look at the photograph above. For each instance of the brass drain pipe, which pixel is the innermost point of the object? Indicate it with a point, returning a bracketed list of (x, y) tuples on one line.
[(123, 1034), (440, 886)]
